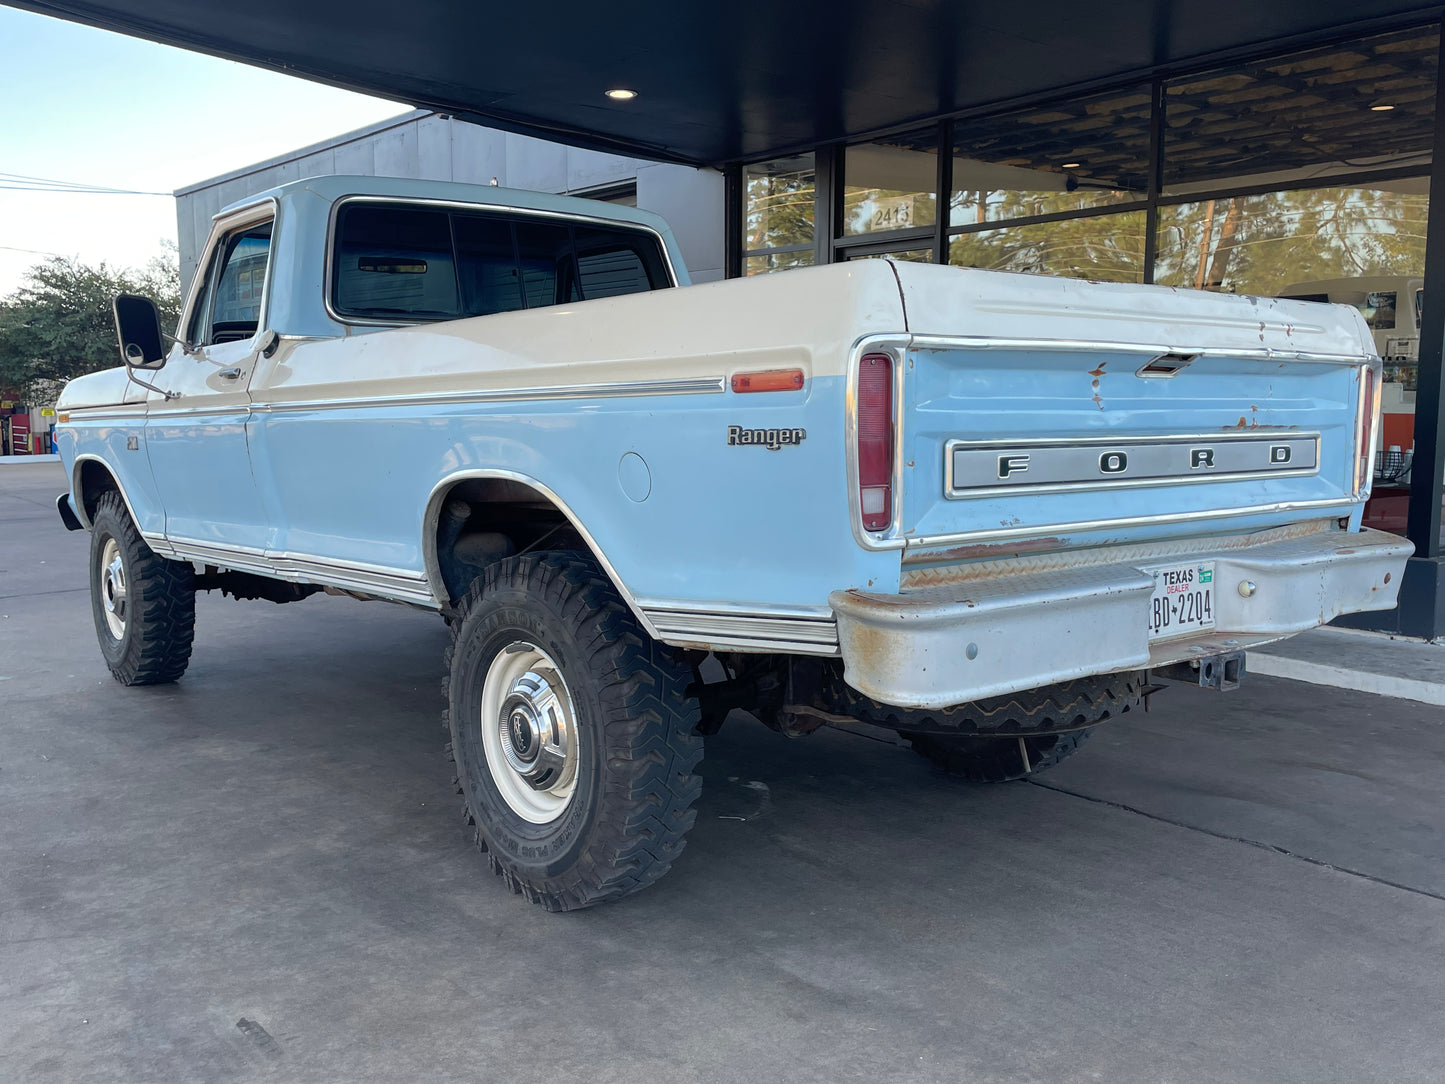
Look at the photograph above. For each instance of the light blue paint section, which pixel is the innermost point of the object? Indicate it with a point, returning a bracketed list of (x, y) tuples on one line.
[(107, 440), (721, 524), (1013, 394)]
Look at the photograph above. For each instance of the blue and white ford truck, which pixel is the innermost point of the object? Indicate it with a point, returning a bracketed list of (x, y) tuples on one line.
[(976, 508)]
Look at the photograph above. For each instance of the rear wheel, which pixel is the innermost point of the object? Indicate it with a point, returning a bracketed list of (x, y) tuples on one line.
[(144, 605), (573, 733)]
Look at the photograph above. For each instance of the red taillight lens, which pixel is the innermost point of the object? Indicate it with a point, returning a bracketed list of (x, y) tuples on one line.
[(1369, 428), (875, 440)]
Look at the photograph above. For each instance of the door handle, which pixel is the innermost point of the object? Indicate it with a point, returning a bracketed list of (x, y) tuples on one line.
[(230, 374)]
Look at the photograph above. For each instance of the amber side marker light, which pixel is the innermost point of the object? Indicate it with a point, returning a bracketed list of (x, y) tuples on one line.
[(769, 380)]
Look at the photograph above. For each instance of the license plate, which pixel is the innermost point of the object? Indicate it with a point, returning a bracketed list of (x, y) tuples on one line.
[(1183, 600)]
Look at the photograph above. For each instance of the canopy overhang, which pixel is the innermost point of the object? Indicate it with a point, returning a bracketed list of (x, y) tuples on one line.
[(718, 83)]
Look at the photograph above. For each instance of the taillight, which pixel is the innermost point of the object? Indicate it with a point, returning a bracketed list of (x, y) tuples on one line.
[(1369, 428), (875, 440)]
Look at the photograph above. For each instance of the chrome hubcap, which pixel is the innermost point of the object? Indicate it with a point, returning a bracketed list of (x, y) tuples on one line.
[(529, 732), (114, 593)]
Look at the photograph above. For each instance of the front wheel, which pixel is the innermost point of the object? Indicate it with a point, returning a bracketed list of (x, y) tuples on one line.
[(573, 733), (144, 605)]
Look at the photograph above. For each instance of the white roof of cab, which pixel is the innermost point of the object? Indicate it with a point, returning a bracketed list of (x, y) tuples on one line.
[(339, 186)]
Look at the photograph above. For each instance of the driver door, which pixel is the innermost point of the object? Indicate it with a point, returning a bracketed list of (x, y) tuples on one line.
[(196, 439)]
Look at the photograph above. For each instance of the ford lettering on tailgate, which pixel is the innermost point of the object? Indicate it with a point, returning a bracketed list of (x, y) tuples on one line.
[(983, 468)]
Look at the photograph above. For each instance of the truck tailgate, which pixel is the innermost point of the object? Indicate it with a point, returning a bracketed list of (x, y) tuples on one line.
[(1085, 412)]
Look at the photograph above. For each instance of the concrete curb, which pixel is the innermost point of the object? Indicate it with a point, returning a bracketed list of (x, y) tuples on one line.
[(22, 460), (1426, 692)]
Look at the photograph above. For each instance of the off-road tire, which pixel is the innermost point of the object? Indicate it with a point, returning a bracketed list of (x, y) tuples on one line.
[(625, 820), (996, 760), (160, 621)]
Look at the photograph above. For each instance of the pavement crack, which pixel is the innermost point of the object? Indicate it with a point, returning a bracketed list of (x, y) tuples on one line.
[(1239, 839), (39, 594)]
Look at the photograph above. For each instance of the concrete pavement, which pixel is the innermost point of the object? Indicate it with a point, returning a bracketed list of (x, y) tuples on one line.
[(260, 874)]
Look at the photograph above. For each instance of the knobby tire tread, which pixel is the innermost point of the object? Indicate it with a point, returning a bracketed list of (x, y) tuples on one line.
[(647, 734), (162, 606)]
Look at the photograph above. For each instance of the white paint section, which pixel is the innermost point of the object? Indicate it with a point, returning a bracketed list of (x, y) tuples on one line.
[(1426, 692), (967, 301)]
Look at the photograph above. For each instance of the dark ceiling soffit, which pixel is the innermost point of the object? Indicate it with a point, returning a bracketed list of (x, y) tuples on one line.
[(1421, 17), (590, 139), (519, 125)]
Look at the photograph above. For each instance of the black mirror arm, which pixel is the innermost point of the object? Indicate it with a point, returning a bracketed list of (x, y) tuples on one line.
[(130, 372), (187, 348)]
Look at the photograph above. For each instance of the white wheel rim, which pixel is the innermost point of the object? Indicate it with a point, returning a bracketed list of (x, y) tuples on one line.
[(114, 594), (529, 732)]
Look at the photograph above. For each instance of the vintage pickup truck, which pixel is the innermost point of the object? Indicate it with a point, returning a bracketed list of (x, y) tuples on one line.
[(979, 509)]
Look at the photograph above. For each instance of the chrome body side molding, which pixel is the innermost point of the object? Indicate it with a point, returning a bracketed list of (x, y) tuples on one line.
[(739, 628)]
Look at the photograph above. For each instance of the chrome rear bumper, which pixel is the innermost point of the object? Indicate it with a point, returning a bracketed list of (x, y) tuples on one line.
[(1020, 629)]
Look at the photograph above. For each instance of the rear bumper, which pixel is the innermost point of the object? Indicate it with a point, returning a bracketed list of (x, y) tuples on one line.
[(1051, 620)]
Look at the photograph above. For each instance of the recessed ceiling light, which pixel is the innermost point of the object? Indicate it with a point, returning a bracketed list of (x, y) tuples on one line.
[(1380, 108), (1071, 165), (621, 94)]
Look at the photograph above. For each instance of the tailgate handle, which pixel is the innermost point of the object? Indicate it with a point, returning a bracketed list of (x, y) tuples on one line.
[(1165, 365)]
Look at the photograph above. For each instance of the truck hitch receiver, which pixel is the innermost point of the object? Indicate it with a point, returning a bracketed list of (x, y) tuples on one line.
[(1222, 673)]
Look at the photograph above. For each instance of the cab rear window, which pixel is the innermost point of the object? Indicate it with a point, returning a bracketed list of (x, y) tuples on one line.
[(402, 263)]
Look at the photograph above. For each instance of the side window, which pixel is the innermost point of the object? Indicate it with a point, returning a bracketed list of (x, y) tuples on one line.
[(228, 304), (201, 315), (394, 262), (236, 312), (615, 262), (487, 264), (398, 263), (549, 273)]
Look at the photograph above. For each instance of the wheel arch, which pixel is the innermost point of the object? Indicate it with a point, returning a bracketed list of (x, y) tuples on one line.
[(452, 483), (90, 477)]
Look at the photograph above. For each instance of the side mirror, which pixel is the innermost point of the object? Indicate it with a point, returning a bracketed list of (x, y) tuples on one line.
[(138, 329)]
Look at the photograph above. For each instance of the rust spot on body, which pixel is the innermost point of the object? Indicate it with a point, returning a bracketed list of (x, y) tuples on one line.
[(998, 549)]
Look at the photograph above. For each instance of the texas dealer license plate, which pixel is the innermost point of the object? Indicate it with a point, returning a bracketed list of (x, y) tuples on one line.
[(1183, 600)]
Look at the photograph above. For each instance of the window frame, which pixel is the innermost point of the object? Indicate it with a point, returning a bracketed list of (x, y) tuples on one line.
[(834, 245), (208, 268), (424, 203)]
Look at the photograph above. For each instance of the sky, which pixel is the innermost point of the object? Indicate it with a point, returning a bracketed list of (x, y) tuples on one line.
[(89, 106)]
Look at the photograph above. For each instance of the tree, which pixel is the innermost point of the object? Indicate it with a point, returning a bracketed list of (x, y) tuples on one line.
[(1260, 244), (58, 324)]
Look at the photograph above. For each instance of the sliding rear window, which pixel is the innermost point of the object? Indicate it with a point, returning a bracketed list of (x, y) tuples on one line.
[(401, 263)]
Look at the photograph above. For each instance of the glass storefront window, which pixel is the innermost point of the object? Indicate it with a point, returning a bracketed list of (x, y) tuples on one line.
[(1323, 112), (1266, 244), (777, 261), (1107, 247), (1071, 156), (1350, 245), (779, 208), (911, 255), (891, 184)]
